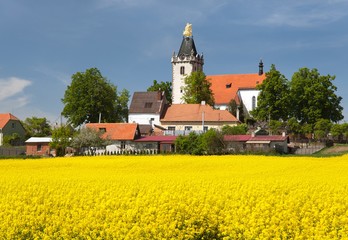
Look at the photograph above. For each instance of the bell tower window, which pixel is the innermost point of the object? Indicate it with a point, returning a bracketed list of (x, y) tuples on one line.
[(253, 102), (182, 70)]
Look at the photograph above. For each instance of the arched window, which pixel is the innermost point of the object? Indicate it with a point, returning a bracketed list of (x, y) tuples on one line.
[(253, 102), (182, 70)]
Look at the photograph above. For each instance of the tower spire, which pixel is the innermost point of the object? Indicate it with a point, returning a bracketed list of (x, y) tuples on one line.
[(184, 63)]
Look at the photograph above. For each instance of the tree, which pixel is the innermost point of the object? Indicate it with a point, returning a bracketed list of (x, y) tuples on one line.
[(273, 101), (212, 142), (233, 108), (197, 89), (240, 129), (162, 86), (313, 97), (88, 137), (90, 96), (322, 128), (122, 106), (61, 138), (37, 127)]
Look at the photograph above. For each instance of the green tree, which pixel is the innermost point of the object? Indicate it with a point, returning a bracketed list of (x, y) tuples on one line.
[(233, 107), (88, 137), (197, 89), (322, 128), (37, 127), (122, 106), (212, 142), (61, 139), (162, 86), (90, 95), (273, 101), (240, 129), (313, 97)]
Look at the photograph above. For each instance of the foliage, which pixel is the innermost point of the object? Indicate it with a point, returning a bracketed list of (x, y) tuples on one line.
[(174, 197), (162, 86), (322, 128), (191, 144), (233, 107), (37, 127), (90, 95), (88, 137), (276, 127), (313, 97), (273, 101), (210, 142), (121, 110), (234, 130), (197, 89), (61, 139), (12, 140)]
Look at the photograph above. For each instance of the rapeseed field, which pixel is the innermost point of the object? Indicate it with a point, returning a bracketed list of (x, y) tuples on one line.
[(174, 197)]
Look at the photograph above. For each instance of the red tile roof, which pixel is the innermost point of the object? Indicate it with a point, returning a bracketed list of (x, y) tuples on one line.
[(225, 87), (194, 113), (245, 138), (116, 131), (166, 139), (237, 138), (5, 117)]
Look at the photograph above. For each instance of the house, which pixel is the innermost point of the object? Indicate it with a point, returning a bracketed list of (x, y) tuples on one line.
[(257, 143), (10, 126), (238, 87), (162, 144), (146, 109), (120, 135), (39, 146), (180, 119)]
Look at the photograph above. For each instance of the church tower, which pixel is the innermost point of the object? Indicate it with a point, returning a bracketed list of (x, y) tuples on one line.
[(184, 63)]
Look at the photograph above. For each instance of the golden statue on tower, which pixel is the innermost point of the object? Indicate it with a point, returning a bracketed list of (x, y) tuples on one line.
[(188, 30)]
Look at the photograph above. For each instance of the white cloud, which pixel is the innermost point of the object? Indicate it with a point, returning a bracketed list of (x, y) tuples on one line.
[(12, 86)]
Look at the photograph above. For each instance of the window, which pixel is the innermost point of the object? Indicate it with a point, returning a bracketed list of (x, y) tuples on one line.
[(123, 144), (253, 102), (13, 125), (188, 128), (148, 105), (205, 128), (182, 70), (229, 85), (39, 147), (102, 130), (171, 128)]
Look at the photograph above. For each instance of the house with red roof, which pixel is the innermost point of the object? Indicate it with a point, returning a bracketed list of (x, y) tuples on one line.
[(238, 87), (257, 143), (121, 135), (146, 109), (180, 119), (156, 144), (10, 126)]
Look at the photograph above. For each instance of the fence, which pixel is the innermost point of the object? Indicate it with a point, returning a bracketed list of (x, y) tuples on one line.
[(12, 151)]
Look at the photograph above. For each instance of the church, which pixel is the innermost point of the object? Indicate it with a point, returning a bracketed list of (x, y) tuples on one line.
[(238, 87)]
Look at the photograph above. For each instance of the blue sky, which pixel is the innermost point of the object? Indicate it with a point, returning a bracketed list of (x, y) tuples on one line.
[(131, 42)]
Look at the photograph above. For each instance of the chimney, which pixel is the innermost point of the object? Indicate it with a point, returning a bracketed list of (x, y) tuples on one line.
[(260, 67)]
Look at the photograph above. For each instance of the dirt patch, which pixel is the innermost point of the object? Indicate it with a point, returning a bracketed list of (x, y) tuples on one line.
[(335, 149)]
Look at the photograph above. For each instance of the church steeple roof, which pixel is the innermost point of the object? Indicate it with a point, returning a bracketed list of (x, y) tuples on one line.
[(187, 47)]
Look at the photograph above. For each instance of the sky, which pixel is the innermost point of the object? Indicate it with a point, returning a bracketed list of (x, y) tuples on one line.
[(43, 43)]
